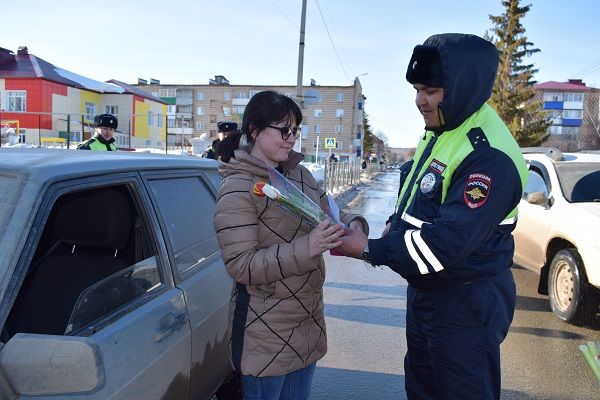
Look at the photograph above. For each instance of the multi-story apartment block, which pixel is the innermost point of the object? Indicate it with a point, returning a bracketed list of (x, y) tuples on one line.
[(574, 110), (45, 105), (330, 112)]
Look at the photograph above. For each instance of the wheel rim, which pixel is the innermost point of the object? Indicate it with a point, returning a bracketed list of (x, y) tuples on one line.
[(563, 285)]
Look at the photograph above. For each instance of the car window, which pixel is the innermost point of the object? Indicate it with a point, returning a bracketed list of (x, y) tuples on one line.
[(187, 208), (580, 182), (214, 177), (88, 235), (535, 183), (113, 292)]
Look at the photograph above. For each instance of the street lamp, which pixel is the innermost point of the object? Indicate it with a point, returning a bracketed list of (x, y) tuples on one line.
[(354, 124)]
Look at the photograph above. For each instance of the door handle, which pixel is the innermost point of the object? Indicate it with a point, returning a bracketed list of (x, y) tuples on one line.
[(169, 324)]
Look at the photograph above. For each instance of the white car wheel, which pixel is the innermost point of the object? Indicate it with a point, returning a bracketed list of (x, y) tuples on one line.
[(571, 297)]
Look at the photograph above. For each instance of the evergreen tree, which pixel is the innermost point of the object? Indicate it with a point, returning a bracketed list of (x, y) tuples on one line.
[(367, 136), (513, 93)]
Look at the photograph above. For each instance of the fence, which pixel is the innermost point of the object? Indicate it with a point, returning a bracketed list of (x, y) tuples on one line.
[(340, 174)]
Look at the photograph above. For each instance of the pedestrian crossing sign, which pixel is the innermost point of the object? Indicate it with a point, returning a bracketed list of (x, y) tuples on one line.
[(330, 143)]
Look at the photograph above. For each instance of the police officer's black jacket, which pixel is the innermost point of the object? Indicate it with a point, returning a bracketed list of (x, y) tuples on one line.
[(457, 201)]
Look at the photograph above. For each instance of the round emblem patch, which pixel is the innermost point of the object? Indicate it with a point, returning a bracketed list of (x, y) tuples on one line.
[(477, 190), (427, 182)]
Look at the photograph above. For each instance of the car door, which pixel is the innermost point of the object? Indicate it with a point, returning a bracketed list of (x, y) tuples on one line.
[(186, 204), (121, 300), (533, 226)]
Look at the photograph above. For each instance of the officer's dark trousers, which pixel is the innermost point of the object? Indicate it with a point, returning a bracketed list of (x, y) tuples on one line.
[(453, 336)]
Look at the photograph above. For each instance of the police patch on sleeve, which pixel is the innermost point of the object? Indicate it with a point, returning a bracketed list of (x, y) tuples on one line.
[(477, 190)]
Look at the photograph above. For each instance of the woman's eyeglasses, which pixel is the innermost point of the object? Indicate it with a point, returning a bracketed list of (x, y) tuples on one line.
[(287, 131)]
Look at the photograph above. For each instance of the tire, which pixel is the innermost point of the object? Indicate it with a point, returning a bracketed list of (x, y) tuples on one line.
[(572, 299)]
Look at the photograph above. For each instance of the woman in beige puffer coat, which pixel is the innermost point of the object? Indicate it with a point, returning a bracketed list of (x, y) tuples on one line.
[(276, 321)]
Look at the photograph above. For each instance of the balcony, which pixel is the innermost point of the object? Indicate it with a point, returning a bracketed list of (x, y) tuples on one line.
[(180, 131), (240, 101)]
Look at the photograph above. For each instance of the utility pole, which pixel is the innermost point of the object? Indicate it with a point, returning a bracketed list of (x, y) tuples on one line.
[(301, 56)]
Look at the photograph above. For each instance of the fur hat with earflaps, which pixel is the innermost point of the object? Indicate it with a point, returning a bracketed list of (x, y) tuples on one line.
[(425, 67)]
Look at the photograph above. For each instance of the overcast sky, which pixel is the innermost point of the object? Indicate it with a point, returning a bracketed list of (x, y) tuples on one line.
[(256, 42)]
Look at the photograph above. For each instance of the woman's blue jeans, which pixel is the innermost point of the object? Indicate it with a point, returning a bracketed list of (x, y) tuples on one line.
[(292, 386)]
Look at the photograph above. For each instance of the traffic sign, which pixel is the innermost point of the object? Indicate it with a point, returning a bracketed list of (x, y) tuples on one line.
[(330, 143)]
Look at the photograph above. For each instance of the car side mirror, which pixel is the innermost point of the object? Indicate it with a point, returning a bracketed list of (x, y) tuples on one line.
[(538, 198), (50, 365)]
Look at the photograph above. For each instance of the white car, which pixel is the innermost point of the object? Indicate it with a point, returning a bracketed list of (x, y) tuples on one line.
[(558, 230)]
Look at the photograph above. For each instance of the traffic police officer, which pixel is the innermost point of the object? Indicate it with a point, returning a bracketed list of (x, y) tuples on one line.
[(223, 128), (103, 139), (450, 235)]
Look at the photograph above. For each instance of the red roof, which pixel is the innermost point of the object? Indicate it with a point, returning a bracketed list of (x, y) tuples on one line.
[(553, 85), (25, 65)]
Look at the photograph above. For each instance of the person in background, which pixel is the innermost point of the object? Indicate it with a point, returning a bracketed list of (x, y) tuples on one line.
[(276, 322), (223, 128), (450, 235), (104, 132)]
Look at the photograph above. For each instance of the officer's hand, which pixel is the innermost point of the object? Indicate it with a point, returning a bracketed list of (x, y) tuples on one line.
[(353, 243), (387, 229), (356, 224)]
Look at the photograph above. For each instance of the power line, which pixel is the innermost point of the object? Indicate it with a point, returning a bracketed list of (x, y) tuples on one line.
[(594, 66), (284, 14), (331, 40)]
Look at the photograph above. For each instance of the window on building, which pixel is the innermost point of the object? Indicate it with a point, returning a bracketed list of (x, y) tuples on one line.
[(184, 109), (199, 110), (339, 144), (304, 131), (241, 95), (572, 114), (570, 130), (17, 100), (213, 118), (253, 92), (167, 92), (90, 111), (226, 111), (159, 120), (114, 110), (574, 97), (150, 118), (338, 128), (317, 129), (314, 144), (239, 110), (226, 95), (171, 123), (340, 97), (171, 109), (318, 113), (199, 126), (339, 113), (156, 94), (199, 96), (213, 132), (549, 96)]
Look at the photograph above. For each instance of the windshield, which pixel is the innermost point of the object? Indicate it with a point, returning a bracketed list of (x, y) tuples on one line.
[(580, 182)]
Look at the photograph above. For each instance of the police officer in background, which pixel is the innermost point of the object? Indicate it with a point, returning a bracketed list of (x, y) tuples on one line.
[(450, 235), (104, 131), (224, 128)]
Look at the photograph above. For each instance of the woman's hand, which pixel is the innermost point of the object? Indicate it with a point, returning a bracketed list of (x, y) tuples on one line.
[(324, 237)]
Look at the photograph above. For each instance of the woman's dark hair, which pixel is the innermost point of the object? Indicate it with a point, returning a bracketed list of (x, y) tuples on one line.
[(264, 109)]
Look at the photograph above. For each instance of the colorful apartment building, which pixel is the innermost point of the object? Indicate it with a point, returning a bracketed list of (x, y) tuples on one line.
[(574, 110), (333, 115), (47, 105)]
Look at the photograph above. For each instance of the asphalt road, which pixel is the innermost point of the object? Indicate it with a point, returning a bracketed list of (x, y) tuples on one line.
[(365, 315)]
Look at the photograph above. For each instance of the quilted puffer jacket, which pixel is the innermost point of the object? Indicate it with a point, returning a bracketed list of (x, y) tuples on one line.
[(276, 319)]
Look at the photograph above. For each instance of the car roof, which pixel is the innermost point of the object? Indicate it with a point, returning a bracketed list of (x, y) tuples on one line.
[(42, 164), (556, 156)]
